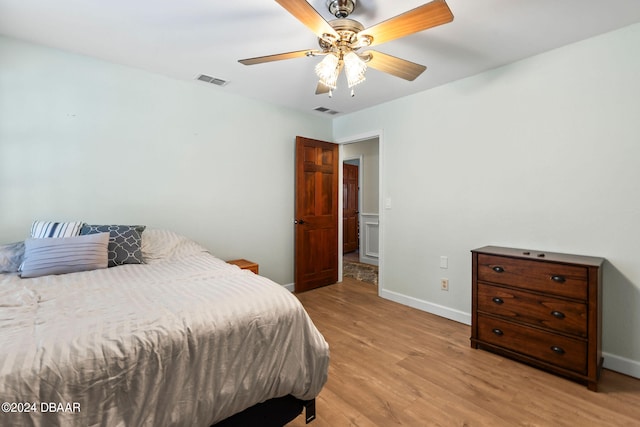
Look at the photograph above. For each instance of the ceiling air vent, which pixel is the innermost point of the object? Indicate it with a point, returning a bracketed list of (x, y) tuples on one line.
[(326, 110), (212, 80)]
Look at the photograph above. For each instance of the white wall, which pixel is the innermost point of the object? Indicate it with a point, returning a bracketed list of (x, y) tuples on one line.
[(541, 154), (89, 140)]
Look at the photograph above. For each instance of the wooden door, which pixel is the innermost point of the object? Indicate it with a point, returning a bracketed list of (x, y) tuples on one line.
[(349, 208), (316, 228)]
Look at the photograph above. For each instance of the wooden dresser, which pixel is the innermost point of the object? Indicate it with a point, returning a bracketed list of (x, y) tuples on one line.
[(541, 308)]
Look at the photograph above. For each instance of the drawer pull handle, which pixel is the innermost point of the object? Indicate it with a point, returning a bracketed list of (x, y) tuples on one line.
[(498, 332), (557, 350), (497, 300), (558, 279), (498, 269), (557, 314)]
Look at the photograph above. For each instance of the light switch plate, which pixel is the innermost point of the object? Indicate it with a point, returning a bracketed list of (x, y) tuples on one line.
[(444, 262)]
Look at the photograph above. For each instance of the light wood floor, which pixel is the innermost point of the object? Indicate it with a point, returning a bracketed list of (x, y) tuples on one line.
[(392, 365)]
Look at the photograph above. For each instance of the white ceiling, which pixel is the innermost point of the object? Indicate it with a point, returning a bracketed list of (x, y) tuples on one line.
[(184, 38)]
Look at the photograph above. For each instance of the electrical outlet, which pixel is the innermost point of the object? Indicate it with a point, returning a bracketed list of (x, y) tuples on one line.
[(444, 284)]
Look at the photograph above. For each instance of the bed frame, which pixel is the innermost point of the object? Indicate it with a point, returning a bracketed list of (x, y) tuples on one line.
[(272, 413)]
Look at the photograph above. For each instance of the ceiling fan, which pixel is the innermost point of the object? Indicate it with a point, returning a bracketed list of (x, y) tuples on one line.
[(341, 39)]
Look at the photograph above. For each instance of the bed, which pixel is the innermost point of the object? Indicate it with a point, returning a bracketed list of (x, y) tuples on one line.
[(184, 339)]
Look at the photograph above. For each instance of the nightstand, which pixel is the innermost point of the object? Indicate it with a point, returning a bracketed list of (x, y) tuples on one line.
[(245, 264)]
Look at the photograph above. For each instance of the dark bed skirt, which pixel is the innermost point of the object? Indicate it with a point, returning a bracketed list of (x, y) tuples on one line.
[(271, 413)]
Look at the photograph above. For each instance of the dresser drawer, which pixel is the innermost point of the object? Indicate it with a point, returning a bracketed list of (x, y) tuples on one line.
[(558, 350), (539, 310), (558, 279)]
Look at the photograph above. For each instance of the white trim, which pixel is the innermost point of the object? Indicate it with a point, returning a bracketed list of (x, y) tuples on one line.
[(621, 364), (291, 287), (340, 207), (611, 361), (369, 230), (437, 309)]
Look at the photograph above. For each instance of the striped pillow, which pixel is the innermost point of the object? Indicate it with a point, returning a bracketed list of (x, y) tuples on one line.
[(42, 229), (64, 255)]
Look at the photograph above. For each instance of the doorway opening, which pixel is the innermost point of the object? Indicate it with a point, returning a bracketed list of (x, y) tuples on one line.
[(351, 209), (360, 209)]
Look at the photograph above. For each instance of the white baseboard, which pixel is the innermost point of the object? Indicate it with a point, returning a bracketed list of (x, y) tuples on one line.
[(290, 287), (438, 310), (621, 364), (611, 361)]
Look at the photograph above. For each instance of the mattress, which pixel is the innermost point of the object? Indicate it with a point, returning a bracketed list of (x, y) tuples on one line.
[(183, 340)]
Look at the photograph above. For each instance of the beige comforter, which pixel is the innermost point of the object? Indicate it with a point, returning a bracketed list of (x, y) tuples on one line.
[(185, 340)]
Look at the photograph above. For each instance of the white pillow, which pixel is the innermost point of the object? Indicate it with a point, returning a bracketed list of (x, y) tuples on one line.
[(64, 255), (159, 244)]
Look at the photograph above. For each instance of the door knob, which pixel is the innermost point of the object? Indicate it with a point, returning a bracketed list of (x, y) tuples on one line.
[(296, 221)]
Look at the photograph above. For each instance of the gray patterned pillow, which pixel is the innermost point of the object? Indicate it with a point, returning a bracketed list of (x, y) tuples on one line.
[(125, 242), (11, 256)]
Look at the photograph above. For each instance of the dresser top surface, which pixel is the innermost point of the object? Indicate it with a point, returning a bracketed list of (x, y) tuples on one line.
[(536, 255)]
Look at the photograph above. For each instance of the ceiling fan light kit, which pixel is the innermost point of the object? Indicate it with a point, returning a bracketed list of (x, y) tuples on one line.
[(341, 39), (329, 69)]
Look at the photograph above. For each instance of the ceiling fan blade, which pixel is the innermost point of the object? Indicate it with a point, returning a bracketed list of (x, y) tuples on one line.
[(395, 66), (322, 88), (306, 14), (279, 57), (419, 19)]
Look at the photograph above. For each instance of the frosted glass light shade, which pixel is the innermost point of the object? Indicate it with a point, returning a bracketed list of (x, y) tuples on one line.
[(354, 68), (328, 69)]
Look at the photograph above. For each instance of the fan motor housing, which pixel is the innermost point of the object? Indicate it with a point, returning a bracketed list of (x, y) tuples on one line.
[(341, 8), (348, 30)]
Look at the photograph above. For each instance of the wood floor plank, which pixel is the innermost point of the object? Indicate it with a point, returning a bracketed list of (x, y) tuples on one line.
[(392, 365)]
